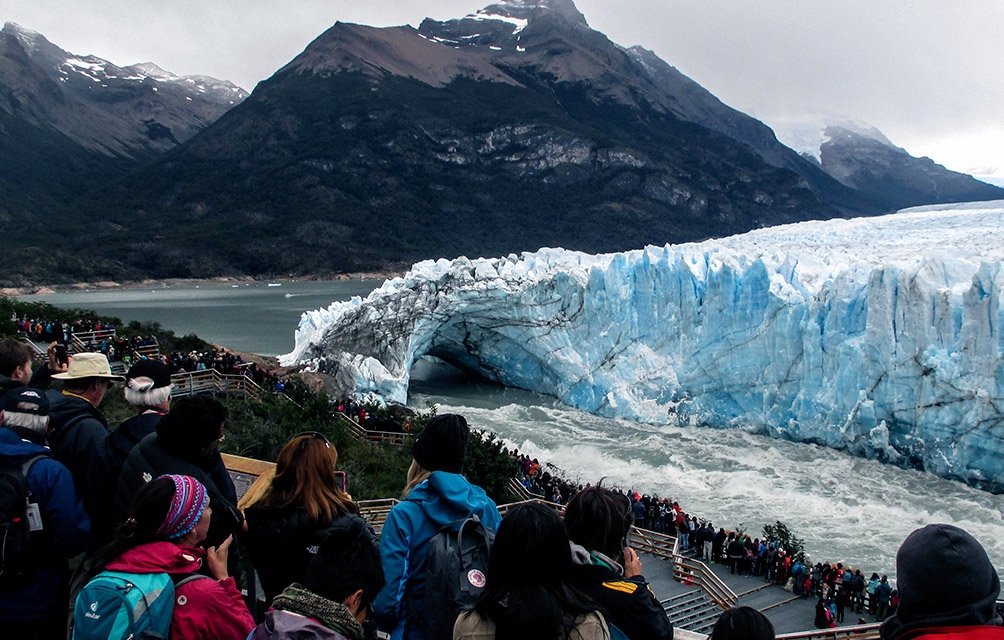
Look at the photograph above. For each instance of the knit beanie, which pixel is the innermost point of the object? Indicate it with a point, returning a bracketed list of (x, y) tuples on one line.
[(187, 505), (442, 445), (945, 579)]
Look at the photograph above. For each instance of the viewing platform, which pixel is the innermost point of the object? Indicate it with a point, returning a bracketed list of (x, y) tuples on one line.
[(693, 593)]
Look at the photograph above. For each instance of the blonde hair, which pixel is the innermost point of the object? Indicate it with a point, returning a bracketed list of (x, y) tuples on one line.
[(417, 474)]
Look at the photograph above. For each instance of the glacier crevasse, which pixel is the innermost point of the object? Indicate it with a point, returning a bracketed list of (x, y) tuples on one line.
[(881, 336)]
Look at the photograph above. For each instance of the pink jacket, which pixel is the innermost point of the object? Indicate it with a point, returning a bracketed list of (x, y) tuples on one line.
[(203, 609)]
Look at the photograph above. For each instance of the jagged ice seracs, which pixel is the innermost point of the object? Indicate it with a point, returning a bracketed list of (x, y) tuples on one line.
[(881, 336)]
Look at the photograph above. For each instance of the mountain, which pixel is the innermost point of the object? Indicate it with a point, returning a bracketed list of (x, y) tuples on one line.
[(882, 336), (860, 156), (507, 130), (510, 129), (70, 124), (129, 111)]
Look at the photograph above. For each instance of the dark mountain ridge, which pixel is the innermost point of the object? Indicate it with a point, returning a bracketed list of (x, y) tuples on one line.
[(511, 129)]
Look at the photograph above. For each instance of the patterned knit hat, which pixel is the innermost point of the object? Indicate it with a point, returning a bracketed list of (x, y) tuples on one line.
[(189, 502)]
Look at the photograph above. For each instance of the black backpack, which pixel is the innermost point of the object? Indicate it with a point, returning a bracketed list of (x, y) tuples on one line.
[(455, 577), (15, 531)]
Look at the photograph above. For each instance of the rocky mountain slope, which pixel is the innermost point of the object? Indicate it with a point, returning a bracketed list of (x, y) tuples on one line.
[(506, 130), (511, 129), (862, 157)]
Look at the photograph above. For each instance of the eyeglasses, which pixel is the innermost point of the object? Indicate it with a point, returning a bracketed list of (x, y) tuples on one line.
[(314, 434)]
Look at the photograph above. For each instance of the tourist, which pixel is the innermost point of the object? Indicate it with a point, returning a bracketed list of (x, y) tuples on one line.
[(186, 443), (742, 623), (34, 591), (947, 585), (883, 596), (528, 593), (435, 495), (148, 389), (301, 507), (332, 603), (607, 570), (78, 427), (166, 533)]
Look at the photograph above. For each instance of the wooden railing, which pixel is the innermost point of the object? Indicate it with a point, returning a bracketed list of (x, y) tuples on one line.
[(857, 632), (146, 351), (216, 383), (375, 511), (37, 352), (362, 434), (79, 340)]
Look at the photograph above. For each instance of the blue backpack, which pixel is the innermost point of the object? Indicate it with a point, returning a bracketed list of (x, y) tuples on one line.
[(116, 605)]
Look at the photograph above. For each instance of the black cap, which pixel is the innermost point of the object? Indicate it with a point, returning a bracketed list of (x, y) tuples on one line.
[(945, 579), (26, 400), (442, 445), (152, 369)]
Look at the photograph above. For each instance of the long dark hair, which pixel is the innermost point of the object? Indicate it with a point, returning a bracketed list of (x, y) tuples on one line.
[(149, 509), (528, 593)]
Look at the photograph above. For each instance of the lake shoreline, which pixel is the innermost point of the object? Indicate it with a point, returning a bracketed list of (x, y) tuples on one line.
[(47, 289)]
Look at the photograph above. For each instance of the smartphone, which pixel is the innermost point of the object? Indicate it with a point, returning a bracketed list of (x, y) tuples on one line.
[(342, 480), (61, 356)]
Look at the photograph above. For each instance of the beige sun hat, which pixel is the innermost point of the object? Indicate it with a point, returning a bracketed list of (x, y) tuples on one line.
[(89, 365)]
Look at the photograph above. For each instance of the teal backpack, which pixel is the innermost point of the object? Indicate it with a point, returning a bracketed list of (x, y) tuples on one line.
[(116, 605)]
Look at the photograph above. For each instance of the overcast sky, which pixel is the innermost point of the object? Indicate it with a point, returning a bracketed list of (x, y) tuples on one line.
[(927, 73)]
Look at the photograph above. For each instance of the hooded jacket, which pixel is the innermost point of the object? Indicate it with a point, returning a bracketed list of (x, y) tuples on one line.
[(444, 498), (203, 609), (76, 429), (43, 593), (150, 459), (946, 581), (628, 603)]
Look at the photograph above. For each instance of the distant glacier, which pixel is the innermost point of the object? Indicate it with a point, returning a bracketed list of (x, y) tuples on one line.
[(882, 336)]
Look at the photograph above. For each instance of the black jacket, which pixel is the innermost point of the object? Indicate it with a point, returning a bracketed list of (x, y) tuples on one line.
[(628, 603), (103, 473), (281, 543), (149, 459), (75, 430)]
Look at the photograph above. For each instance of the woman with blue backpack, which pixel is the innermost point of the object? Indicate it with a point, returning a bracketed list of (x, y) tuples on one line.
[(155, 578), (436, 499)]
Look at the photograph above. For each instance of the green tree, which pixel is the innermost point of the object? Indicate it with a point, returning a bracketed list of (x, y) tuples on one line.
[(785, 538)]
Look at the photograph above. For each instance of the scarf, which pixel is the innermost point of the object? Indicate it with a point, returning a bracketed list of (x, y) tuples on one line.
[(333, 615)]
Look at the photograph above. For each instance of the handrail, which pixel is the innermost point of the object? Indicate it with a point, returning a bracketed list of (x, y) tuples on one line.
[(36, 351), (216, 383), (375, 512), (363, 434), (79, 339), (857, 632)]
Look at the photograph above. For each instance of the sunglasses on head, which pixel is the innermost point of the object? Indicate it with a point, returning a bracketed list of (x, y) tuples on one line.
[(317, 435)]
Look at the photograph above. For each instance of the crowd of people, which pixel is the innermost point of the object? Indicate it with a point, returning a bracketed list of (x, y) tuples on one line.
[(149, 509), (836, 588), (225, 362)]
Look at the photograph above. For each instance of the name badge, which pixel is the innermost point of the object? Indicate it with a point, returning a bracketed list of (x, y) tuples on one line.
[(34, 517)]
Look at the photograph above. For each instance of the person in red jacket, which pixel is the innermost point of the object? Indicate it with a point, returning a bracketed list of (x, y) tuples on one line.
[(169, 519)]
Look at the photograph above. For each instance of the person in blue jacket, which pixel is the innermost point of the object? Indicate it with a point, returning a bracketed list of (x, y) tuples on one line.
[(435, 495), (34, 604)]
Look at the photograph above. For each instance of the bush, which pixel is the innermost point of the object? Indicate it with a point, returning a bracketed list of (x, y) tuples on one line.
[(783, 536)]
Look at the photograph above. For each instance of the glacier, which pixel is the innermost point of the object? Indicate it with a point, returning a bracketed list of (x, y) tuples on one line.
[(881, 336)]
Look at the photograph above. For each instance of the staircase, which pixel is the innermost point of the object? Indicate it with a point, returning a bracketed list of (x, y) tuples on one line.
[(693, 611)]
